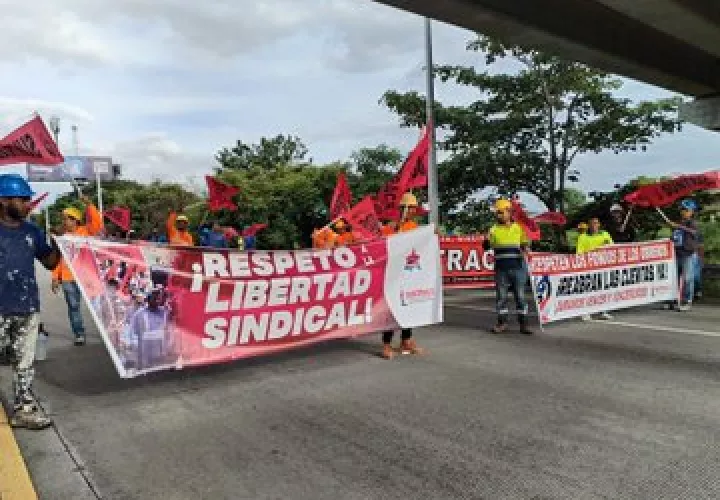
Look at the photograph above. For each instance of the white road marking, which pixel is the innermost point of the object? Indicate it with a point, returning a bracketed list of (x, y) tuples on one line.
[(608, 322), (660, 328)]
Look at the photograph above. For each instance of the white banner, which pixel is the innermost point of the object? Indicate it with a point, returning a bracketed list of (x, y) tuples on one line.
[(613, 277)]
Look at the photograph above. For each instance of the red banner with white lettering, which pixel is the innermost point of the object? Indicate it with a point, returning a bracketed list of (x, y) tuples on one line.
[(465, 264), (30, 143), (171, 307), (664, 193), (364, 220)]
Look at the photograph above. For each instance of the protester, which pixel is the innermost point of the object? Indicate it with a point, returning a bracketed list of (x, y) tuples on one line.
[(62, 276), (249, 241), (408, 205), (686, 237), (344, 233), (177, 230), (21, 242), (388, 227), (213, 236), (510, 243), (156, 237), (324, 238), (621, 229), (595, 238)]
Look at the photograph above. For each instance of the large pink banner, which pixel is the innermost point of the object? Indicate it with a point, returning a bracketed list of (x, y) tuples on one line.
[(161, 307)]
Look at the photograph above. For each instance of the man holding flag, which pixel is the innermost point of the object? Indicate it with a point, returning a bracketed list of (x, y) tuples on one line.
[(509, 241)]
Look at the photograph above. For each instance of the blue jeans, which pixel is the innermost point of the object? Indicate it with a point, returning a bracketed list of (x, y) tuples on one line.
[(505, 280), (686, 266), (698, 263), (73, 297)]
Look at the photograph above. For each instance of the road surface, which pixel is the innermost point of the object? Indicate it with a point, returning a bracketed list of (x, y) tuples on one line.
[(626, 409)]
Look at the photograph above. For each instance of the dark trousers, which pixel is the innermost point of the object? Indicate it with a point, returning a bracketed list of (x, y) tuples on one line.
[(405, 335)]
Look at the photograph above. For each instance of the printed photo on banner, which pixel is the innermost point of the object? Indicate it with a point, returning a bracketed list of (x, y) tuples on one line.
[(171, 307)]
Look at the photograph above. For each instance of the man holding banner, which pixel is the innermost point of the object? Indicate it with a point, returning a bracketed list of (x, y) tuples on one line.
[(62, 276)]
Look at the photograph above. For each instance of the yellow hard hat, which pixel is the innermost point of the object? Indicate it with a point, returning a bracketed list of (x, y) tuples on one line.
[(583, 225), (502, 204), (408, 200), (182, 218), (339, 224), (73, 213)]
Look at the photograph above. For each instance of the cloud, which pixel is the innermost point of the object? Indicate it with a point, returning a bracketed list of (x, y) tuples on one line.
[(14, 112)]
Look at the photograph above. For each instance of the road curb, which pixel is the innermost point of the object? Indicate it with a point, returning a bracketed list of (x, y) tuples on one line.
[(15, 483)]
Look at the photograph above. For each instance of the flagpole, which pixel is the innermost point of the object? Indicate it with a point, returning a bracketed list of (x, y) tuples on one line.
[(433, 198)]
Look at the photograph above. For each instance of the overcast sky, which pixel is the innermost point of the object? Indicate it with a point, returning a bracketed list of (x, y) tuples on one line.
[(162, 85)]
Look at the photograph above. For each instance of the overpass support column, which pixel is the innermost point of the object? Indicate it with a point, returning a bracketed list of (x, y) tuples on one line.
[(703, 112)]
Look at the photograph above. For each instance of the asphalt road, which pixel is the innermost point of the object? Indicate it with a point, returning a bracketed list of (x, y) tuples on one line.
[(628, 409)]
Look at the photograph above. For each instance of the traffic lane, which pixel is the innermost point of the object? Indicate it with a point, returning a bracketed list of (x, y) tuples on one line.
[(559, 415)]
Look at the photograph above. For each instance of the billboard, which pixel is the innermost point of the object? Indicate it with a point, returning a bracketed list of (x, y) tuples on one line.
[(74, 167)]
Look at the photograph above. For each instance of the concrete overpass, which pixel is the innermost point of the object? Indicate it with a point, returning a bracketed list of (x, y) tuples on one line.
[(673, 44)]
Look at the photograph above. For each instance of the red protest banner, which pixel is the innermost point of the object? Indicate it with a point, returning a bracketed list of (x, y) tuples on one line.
[(341, 198), (30, 143), (465, 263), (364, 220), (664, 193), (554, 218), (208, 306), (120, 216), (220, 195)]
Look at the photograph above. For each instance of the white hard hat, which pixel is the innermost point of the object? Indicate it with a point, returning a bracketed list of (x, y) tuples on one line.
[(616, 208)]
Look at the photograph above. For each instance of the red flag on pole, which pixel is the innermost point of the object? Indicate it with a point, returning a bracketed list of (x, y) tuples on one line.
[(364, 220), (532, 230), (30, 143), (342, 197), (220, 195), (664, 193), (414, 172), (554, 218), (120, 216), (252, 230), (34, 203)]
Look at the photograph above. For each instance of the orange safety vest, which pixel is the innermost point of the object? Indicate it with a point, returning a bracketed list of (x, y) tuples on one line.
[(92, 227), (177, 237), (408, 225)]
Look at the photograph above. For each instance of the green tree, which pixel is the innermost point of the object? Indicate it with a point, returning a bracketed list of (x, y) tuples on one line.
[(149, 203), (575, 199), (528, 126), (371, 168), (269, 153)]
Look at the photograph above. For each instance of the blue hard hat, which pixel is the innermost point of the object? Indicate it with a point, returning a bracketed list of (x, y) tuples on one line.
[(689, 204), (14, 186)]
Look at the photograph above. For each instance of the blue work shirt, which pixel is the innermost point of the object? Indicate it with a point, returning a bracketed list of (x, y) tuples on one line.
[(19, 247), (213, 239), (250, 242)]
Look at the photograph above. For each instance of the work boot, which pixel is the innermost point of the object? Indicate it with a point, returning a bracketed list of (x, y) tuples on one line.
[(501, 325), (29, 417), (409, 346), (80, 340), (387, 352), (524, 329)]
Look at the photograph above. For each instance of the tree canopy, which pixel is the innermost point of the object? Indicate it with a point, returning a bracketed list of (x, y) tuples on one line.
[(529, 125)]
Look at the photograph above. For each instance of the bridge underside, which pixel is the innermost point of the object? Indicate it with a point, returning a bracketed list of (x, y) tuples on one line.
[(673, 44)]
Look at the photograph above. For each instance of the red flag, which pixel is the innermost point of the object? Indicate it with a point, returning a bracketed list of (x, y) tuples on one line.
[(412, 175), (252, 230), (414, 172), (220, 195), (554, 218), (33, 204), (664, 193), (30, 143), (532, 230), (120, 216), (341, 198), (363, 219)]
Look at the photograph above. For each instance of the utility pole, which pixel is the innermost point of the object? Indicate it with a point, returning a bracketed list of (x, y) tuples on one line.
[(433, 197)]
